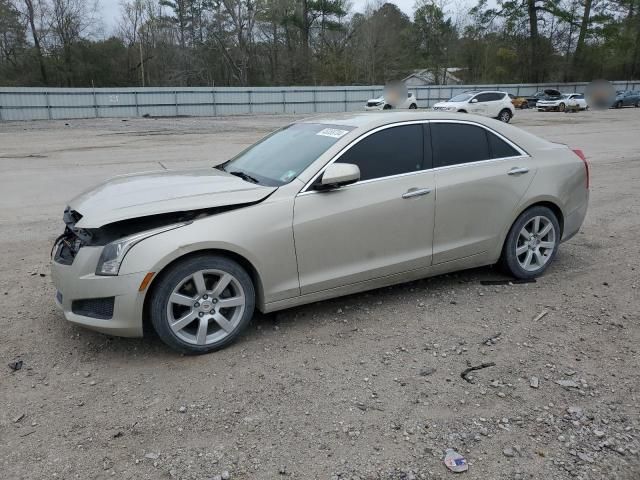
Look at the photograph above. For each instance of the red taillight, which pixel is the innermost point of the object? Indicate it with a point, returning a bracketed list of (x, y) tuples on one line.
[(580, 153)]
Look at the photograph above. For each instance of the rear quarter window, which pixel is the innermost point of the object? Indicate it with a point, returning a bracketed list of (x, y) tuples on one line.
[(499, 148)]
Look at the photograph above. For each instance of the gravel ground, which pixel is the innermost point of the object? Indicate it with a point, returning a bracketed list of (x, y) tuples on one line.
[(362, 387)]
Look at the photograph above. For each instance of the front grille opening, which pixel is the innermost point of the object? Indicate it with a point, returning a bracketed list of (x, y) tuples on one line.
[(100, 308)]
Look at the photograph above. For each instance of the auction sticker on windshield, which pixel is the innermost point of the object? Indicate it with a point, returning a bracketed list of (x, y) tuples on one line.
[(332, 132)]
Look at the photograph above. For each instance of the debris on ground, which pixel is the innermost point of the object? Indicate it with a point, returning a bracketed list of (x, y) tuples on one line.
[(491, 340), (425, 372), (534, 382), (16, 365), (454, 461), (464, 374), (540, 315)]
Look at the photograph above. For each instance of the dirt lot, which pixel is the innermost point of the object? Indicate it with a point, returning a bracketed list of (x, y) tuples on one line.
[(362, 387)]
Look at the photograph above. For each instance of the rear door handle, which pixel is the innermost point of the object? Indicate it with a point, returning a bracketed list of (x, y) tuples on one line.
[(518, 171), (416, 192)]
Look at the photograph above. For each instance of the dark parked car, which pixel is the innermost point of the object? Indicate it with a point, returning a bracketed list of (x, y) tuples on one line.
[(627, 98), (546, 94)]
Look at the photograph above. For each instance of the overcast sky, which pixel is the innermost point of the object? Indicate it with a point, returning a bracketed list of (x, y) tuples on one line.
[(111, 10)]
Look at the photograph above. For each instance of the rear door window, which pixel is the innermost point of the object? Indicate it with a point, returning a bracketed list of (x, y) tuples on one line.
[(483, 97), (458, 143)]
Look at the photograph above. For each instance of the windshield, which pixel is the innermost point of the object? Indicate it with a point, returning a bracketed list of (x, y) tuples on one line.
[(463, 97), (280, 157)]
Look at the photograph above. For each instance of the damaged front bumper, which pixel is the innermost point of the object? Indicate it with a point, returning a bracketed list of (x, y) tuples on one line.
[(106, 304)]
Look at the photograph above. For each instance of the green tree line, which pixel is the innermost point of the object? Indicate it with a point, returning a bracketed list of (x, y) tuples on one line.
[(315, 42)]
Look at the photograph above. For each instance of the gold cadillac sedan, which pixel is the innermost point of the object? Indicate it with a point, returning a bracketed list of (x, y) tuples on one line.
[(324, 207)]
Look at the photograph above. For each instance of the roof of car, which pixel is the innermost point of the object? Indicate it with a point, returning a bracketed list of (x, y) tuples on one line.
[(368, 120), (364, 121)]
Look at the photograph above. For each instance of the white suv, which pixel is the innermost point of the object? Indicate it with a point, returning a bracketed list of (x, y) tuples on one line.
[(381, 104), (489, 103)]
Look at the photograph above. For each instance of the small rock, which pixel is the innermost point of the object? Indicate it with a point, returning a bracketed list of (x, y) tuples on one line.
[(576, 411), (585, 458), (152, 456), (598, 433), (534, 382), (567, 383), (225, 475), (509, 452), (182, 409), (425, 372), (501, 394)]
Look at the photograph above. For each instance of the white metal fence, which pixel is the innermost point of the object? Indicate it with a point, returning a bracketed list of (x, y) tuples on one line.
[(18, 103)]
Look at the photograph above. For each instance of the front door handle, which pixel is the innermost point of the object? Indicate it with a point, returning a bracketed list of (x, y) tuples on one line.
[(518, 171), (416, 192)]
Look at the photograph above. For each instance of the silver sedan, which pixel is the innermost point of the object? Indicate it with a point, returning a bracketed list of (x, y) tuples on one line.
[(324, 207)]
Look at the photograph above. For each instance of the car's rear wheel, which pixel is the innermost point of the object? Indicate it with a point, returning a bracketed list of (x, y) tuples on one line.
[(504, 116), (202, 303), (532, 243), (413, 106), (562, 107)]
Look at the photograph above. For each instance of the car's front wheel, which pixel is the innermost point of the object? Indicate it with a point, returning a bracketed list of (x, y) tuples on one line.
[(561, 107), (532, 243), (504, 116), (413, 106), (202, 303)]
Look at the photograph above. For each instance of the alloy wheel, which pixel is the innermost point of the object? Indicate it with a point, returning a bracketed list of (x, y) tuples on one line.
[(505, 116), (206, 307), (536, 243)]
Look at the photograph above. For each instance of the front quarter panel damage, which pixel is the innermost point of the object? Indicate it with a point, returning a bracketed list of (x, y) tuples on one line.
[(260, 233)]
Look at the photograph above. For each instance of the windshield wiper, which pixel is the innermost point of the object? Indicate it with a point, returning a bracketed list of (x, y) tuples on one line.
[(244, 176)]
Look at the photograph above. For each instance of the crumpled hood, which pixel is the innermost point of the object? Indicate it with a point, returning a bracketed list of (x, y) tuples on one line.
[(165, 191)]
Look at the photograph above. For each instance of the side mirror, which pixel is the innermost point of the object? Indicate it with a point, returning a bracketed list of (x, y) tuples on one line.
[(473, 100), (338, 175)]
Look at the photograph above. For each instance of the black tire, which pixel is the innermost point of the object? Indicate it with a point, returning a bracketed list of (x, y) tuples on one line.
[(505, 115), (413, 106), (562, 107), (172, 277), (638, 104), (462, 111), (387, 107), (618, 104), (509, 259)]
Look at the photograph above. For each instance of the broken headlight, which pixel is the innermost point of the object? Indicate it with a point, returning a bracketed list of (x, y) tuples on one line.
[(113, 253)]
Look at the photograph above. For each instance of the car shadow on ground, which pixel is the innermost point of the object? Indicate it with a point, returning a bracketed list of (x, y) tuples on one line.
[(97, 344), (265, 327)]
